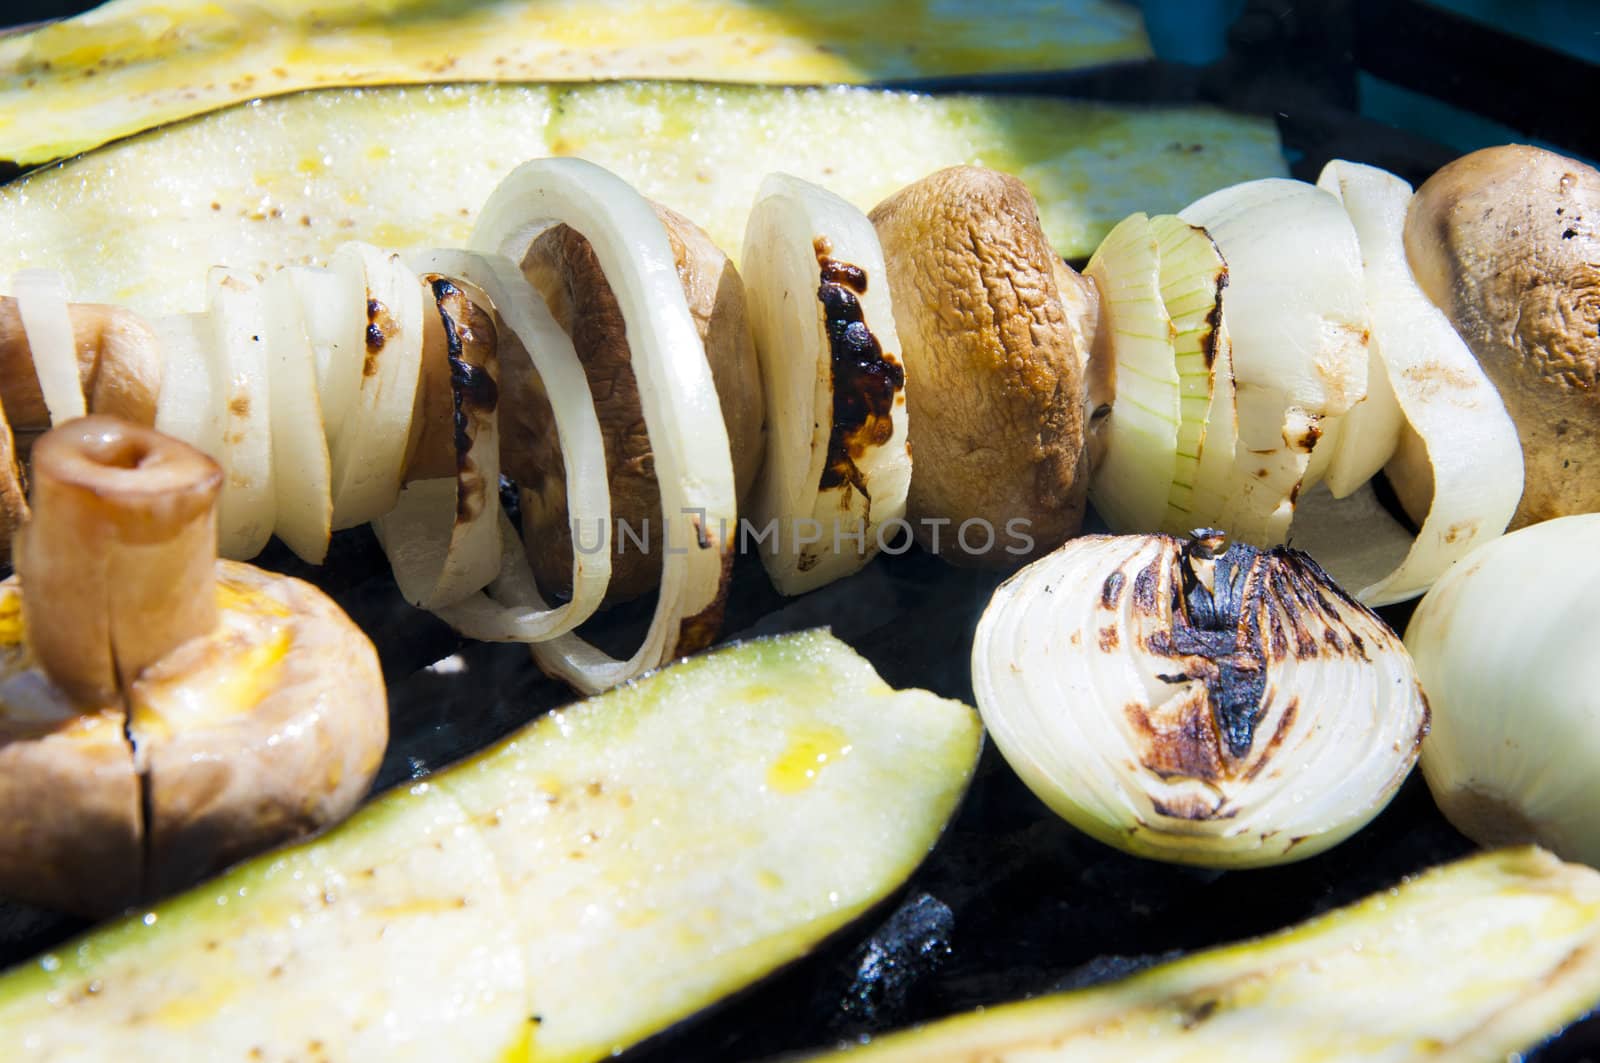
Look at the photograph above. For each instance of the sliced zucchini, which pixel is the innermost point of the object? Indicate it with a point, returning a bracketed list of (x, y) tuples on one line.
[(1475, 961), (288, 180), (607, 871), (133, 64)]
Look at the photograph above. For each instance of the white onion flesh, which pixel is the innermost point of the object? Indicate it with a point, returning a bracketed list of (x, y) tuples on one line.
[(688, 438), (247, 506), (185, 409), (42, 305), (1131, 488), (303, 479), (369, 445), (1296, 314), (1442, 393), (1193, 279), (819, 533), (1108, 692), (333, 303), (1505, 645)]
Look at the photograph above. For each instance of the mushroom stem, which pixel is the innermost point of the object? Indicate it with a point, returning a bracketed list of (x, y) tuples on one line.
[(118, 559)]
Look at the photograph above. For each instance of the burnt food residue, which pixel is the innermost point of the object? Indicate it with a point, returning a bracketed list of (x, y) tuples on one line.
[(865, 380)]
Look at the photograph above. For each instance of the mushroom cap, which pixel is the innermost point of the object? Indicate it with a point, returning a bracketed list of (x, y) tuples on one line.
[(70, 819), (565, 270), (1507, 242), (995, 367), (266, 729)]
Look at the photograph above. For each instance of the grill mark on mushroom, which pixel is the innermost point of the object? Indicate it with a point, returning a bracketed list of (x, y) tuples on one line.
[(866, 380)]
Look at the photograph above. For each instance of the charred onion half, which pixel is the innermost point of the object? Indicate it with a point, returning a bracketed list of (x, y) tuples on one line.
[(1197, 701)]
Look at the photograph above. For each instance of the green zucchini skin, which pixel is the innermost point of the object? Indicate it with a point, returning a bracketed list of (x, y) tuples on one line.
[(598, 876), (1476, 960)]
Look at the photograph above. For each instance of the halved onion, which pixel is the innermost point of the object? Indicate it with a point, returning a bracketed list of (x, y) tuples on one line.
[(837, 466), (1470, 440), (41, 296), (241, 394), (1296, 315), (369, 444), (304, 519), (681, 412), (1132, 485), (1184, 701)]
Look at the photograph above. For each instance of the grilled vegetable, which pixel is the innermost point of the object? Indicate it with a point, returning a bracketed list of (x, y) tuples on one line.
[(133, 64), (291, 179), (1507, 241), (996, 356), (1197, 703), (1478, 960), (594, 878), (1504, 645), (162, 715)]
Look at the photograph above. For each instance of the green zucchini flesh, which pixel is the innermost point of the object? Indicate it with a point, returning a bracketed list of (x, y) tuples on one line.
[(287, 180), (600, 875), (1478, 960)]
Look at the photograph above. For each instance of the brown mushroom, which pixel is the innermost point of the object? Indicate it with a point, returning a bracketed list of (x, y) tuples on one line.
[(993, 327), (162, 713), (563, 267), (1507, 242)]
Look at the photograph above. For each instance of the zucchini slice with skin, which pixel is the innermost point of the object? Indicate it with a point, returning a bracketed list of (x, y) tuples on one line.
[(287, 180), (133, 64), (596, 877), (1477, 960)]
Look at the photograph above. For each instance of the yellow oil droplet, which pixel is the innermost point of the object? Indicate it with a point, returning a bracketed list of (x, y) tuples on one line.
[(10, 619), (810, 750), (312, 165)]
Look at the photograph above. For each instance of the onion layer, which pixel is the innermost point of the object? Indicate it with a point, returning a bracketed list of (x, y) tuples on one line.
[(1505, 645), (837, 464), (42, 304), (1231, 708), (687, 436)]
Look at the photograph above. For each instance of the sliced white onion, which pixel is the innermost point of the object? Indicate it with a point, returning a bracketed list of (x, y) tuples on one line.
[(303, 474), (512, 609), (443, 536), (1470, 440), (333, 304), (1296, 315), (247, 506), (1132, 485), (688, 438), (369, 444), (1193, 280), (825, 511), (186, 409), (41, 296), (1231, 709)]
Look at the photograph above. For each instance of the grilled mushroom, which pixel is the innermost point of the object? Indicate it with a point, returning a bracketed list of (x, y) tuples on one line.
[(162, 713), (563, 267), (1507, 242), (996, 332)]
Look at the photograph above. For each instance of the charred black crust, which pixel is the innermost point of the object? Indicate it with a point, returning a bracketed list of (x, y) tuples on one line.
[(1111, 590), (472, 387), (865, 382)]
